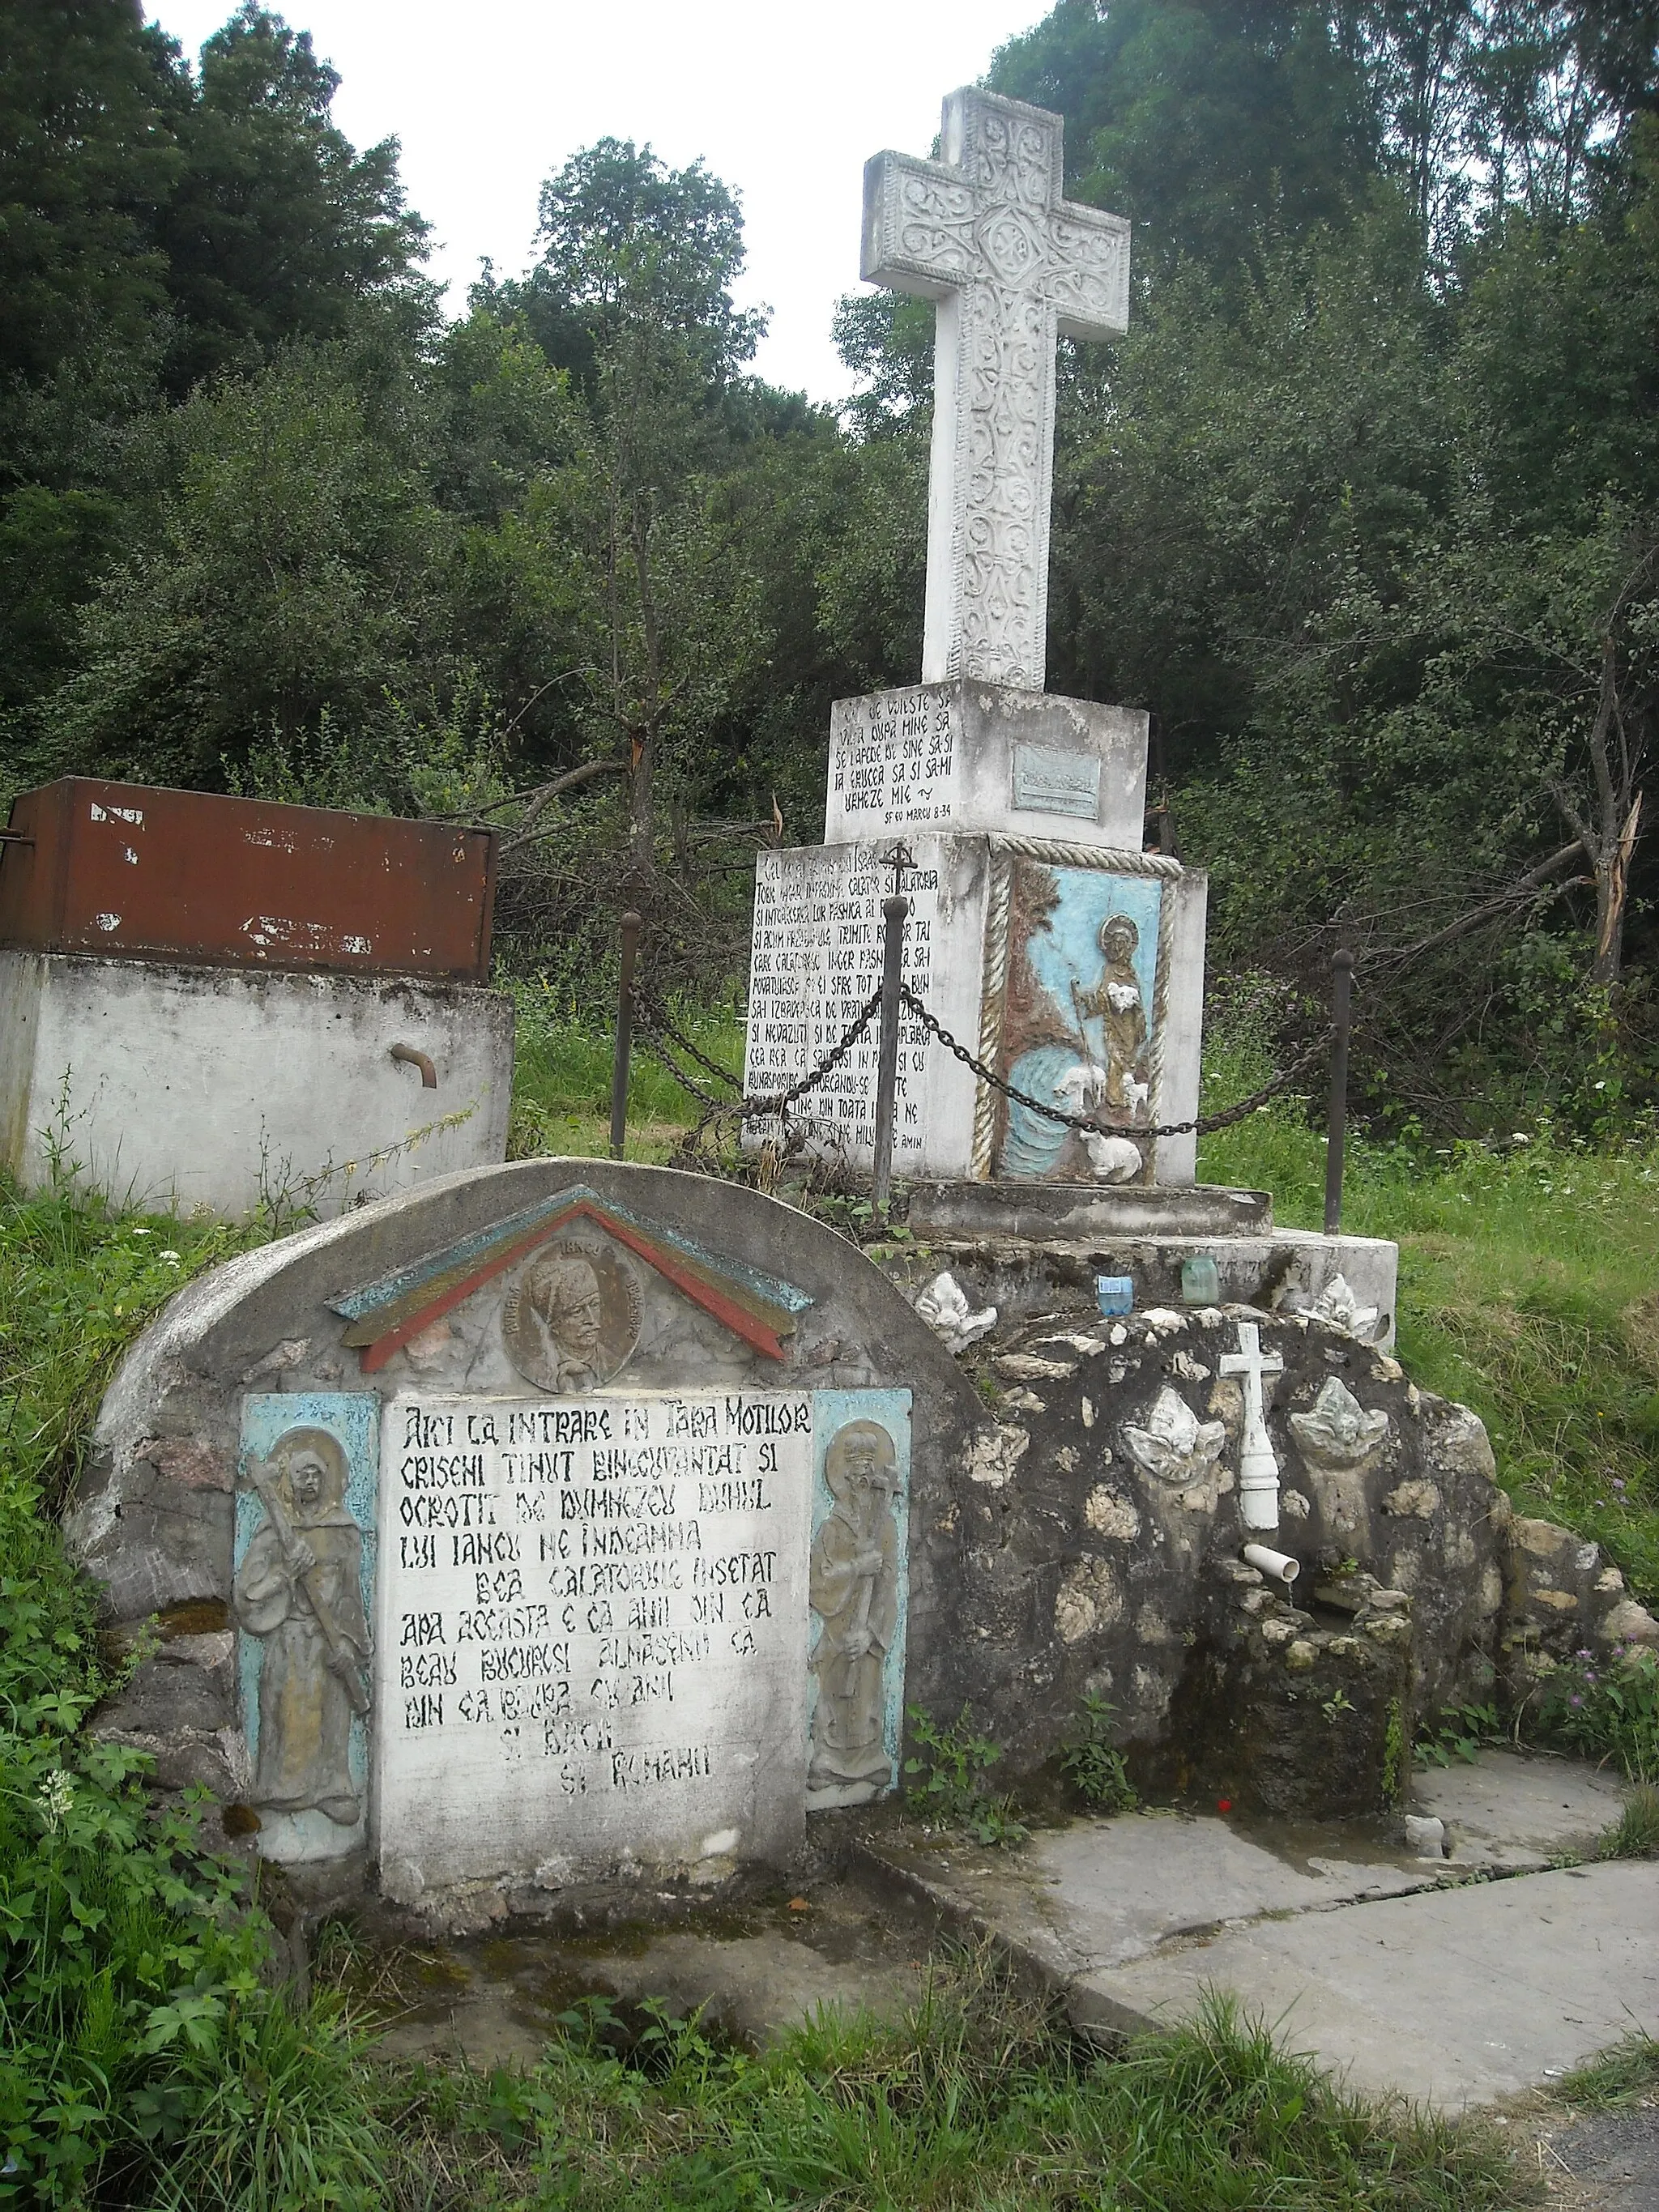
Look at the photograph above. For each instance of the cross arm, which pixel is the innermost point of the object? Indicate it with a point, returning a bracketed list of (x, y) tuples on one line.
[(1088, 280), (918, 226)]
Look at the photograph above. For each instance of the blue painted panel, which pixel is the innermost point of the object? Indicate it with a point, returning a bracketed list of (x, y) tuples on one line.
[(832, 1410), (353, 1419), (1068, 951)]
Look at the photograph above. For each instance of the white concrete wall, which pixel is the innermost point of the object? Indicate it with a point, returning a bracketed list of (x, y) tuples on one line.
[(212, 1088)]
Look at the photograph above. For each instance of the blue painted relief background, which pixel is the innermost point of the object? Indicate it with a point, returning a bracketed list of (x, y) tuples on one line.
[(1079, 1016)]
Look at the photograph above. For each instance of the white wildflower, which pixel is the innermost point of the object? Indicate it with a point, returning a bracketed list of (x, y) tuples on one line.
[(54, 1797)]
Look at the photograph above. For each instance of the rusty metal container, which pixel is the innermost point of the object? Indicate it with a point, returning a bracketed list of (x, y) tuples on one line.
[(136, 873)]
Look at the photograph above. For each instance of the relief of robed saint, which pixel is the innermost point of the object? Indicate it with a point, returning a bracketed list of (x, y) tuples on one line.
[(855, 1591), (298, 1589)]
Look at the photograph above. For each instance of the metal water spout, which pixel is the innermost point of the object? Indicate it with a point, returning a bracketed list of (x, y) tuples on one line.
[(1258, 1466)]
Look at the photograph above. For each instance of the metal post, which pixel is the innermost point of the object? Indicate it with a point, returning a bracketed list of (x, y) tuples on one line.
[(894, 911), (1336, 1126), (630, 945)]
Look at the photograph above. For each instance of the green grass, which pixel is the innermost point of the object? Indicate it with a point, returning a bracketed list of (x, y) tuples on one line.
[(978, 2102), (1635, 1834), (1626, 2075), (561, 1081)]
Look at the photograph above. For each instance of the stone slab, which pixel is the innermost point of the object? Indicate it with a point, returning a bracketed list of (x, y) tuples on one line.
[(1516, 1812), (1408, 1974), (1016, 951), (1050, 1265), (1101, 1893), (592, 1635), (171, 1085), (816, 961), (754, 1972), (1453, 1995), (962, 756), (1046, 1212)]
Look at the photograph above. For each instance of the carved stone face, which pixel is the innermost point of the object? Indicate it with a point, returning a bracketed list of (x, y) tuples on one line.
[(861, 1460), (568, 1298), (306, 1477), (573, 1319), (1119, 938)]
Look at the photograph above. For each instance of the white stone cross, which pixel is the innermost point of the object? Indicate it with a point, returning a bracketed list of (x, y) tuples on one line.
[(1258, 1466), (1013, 266)]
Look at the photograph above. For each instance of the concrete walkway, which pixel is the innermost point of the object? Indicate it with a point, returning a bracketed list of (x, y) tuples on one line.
[(1403, 1973)]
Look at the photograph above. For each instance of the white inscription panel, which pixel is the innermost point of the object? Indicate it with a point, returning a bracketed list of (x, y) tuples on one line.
[(893, 762), (591, 1637), (817, 958)]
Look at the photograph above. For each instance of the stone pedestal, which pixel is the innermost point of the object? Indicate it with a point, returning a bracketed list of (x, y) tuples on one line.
[(168, 1085), (1019, 945), (986, 756)]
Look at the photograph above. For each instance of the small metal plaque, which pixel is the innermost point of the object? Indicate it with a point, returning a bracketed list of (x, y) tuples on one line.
[(1050, 782)]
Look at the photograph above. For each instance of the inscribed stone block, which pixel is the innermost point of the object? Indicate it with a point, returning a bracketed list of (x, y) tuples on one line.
[(592, 1634), (975, 756)]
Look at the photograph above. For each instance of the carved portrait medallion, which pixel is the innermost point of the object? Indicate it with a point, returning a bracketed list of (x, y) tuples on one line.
[(571, 1319)]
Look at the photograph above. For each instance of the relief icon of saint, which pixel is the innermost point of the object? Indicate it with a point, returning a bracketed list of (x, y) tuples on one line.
[(1115, 1002), (298, 1589), (854, 1593), (1099, 1063)]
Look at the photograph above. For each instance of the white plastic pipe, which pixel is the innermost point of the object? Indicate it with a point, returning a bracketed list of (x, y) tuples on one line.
[(1273, 1563)]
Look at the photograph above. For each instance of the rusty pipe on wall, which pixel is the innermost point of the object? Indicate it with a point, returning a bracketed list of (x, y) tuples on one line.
[(407, 1054)]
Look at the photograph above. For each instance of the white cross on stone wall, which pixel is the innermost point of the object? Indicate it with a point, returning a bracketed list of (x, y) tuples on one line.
[(1013, 266)]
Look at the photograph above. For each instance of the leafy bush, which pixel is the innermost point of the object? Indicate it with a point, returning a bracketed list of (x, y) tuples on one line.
[(1092, 1764), (1606, 1708), (1461, 1731), (142, 2049), (952, 1786)]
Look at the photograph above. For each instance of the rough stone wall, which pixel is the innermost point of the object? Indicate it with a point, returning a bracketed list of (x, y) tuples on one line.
[(1099, 1540)]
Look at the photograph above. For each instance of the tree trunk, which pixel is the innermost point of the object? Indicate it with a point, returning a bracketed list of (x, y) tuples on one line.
[(1611, 890)]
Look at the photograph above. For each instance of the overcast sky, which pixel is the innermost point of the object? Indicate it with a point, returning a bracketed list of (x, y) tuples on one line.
[(784, 98)]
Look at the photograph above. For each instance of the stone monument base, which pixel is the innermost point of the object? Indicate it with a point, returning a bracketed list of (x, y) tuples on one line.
[(1044, 1210), (1027, 1249)]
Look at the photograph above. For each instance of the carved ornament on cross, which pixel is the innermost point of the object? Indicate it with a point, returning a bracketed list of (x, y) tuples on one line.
[(1013, 266)]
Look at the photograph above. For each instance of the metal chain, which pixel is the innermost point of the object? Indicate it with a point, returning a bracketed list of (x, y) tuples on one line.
[(649, 1010), (667, 1038), (1203, 1126), (753, 1108)]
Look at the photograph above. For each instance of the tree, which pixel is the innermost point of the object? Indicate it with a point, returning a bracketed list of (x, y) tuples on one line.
[(1206, 122), (276, 228), (635, 282), (89, 105), (293, 583)]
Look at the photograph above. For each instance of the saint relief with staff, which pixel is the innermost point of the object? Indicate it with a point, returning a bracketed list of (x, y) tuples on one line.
[(298, 1589), (855, 1592)]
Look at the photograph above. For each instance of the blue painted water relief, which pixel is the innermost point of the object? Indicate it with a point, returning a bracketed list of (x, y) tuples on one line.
[(307, 1480), (1083, 1003), (859, 1591)]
